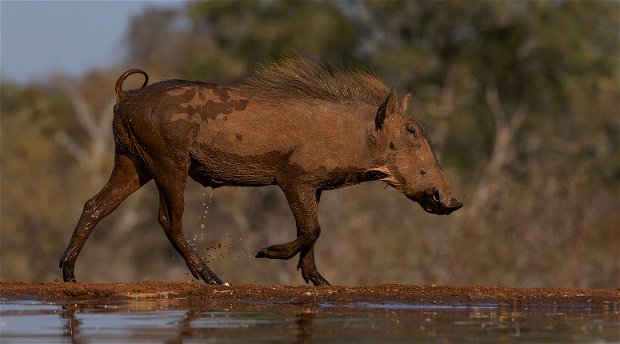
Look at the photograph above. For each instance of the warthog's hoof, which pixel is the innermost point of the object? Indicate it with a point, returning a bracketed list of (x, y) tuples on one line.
[(212, 280), (317, 280), (207, 275), (283, 251)]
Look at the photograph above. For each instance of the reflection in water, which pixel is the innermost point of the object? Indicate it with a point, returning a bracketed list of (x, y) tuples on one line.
[(131, 320), (72, 323), (183, 321), (305, 327)]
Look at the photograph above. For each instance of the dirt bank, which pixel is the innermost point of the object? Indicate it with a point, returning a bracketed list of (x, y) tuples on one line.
[(313, 296)]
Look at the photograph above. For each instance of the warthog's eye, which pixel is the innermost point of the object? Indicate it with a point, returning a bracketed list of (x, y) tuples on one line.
[(411, 129)]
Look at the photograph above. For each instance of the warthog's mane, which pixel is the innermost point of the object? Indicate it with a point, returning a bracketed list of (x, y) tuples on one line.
[(300, 77)]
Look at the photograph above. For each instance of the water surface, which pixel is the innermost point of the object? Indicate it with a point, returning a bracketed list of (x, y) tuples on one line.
[(183, 321)]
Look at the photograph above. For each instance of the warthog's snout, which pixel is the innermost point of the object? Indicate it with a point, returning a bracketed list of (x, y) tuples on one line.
[(453, 206), (434, 203)]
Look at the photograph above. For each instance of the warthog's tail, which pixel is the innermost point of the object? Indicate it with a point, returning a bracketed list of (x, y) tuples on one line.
[(119, 83)]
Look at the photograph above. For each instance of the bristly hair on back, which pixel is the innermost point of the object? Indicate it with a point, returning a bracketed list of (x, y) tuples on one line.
[(301, 77)]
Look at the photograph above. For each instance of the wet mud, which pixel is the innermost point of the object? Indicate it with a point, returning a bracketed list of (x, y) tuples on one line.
[(390, 297)]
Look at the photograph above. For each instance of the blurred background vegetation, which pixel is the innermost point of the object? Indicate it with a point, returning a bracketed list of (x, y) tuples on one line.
[(521, 100)]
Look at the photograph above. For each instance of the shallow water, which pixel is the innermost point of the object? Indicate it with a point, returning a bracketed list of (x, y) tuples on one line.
[(183, 321)]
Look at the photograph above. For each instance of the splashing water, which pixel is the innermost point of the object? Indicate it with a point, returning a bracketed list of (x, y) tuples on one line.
[(200, 236), (207, 205)]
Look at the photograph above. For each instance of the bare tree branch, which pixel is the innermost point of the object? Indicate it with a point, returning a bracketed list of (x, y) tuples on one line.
[(71, 147), (506, 129), (92, 153), (495, 105), (446, 109), (82, 110)]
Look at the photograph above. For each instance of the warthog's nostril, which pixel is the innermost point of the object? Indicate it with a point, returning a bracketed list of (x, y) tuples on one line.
[(454, 204)]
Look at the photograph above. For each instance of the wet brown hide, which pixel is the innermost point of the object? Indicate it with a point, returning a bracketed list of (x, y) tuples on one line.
[(294, 133)]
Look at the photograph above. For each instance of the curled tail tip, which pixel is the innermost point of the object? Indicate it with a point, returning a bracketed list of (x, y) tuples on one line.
[(119, 83)]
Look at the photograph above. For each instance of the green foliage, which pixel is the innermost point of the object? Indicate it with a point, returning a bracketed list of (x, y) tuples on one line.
[(223, 40), (521, 99)]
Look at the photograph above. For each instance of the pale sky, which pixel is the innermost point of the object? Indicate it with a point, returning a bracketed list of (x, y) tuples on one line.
[(38, 38)]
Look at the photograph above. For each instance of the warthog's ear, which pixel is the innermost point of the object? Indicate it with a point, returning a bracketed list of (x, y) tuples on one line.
[(388, 107), (404, 104)]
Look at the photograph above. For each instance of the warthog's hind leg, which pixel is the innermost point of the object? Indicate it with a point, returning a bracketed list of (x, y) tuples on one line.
[(169, 218), (171, 184), (127, 177)]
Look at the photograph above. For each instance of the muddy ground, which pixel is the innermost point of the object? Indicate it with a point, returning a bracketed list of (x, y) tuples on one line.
[(253, 297)]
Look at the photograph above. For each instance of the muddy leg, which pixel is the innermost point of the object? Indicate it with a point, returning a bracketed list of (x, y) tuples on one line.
[(306, 259), (171, 205), (127, 177), (304, 205), (308, 268), (290, 249)]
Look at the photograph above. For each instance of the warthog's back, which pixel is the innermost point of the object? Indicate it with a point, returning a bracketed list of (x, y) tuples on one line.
[(237, 136)]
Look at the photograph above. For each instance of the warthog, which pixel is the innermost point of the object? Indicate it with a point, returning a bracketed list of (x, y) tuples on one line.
[(300, 125)]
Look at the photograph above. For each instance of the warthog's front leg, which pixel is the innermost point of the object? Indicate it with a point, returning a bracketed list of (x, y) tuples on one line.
[(304, 203), (308, 267), (289, 249)]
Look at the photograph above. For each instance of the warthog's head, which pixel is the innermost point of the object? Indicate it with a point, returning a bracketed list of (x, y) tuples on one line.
[(409, 163)]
